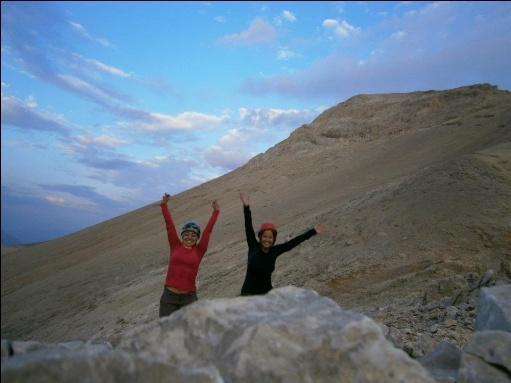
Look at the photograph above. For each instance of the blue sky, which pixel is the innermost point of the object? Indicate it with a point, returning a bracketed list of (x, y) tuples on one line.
[(107, 105)]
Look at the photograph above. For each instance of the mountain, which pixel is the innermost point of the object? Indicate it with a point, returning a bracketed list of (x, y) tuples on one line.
[(414, 188)]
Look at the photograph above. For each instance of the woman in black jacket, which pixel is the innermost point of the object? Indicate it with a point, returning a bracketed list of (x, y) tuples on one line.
[(262, 254)]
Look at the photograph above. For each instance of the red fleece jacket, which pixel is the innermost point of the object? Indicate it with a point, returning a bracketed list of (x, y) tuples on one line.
[(184, 262)]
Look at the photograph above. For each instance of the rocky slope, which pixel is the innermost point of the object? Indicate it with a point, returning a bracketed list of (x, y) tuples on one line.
[(415, 190)]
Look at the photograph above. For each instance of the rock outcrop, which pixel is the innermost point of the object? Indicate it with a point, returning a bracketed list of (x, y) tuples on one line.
[(487, 356), (494, 311), (288, 335)]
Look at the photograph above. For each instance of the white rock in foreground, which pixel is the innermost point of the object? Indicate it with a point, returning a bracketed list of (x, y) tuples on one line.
[(288, 335)]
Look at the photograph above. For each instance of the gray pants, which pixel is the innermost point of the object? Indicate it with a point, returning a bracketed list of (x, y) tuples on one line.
[(170, 301)]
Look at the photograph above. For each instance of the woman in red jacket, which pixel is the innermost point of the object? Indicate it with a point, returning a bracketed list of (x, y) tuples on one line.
[(184, 259)]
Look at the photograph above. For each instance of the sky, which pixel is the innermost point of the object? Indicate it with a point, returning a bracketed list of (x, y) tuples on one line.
[(108, 105)]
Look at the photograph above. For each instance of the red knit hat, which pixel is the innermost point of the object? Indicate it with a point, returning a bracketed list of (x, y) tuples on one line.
[(268, 226)]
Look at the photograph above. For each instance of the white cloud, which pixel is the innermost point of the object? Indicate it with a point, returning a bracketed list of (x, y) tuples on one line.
[(285, 54), (26, 116), (101, 140), (183, 121), (289, 16), (398, 35), (83, 87), (55, 200), (82, 31), (31, 102), (341, 29), (227, 159), (259, 32), (95, 64), (285, 16), (220, 19), (274, 118), (258, 127), (238, 136)]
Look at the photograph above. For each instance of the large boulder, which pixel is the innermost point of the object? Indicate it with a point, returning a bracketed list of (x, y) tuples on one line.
[(487, 358), (90, 365), (494, 310), (288, 335)]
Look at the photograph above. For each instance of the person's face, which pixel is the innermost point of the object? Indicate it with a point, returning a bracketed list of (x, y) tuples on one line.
[(267, 239), (189, 238)]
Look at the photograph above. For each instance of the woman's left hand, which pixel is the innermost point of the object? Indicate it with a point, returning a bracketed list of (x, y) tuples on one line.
[(215, 205), (320, 228)]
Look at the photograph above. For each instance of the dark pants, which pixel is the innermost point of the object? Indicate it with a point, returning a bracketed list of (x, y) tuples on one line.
[(170, 301)]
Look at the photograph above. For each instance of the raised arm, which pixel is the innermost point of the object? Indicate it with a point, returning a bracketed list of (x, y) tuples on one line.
[(249, 228), (204, 241), (286, 246), (169, 223)]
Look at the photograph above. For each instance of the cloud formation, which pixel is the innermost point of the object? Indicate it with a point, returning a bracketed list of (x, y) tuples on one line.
[(32, 214), (83, 32), (226, 159), (39, 50), (341, 28), (25, 116), (259, 32), (256, 127), (81, 191), (289, 16), (285, 54), (285, 16), (99, 66), (182, 121), (275, 118), (74, 74), (101, 140), (434, 48), (141, 177)]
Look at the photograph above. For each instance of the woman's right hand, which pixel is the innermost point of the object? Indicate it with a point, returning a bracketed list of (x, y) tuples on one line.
[(165, 198), (244, 199)]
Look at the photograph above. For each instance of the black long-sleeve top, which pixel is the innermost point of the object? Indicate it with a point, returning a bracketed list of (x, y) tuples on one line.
[(260, 265)]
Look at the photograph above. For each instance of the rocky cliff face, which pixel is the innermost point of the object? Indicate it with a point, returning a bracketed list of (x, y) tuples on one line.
[(414, 188)]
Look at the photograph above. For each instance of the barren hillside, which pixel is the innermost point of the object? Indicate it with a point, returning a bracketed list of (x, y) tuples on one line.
[(415, 190)]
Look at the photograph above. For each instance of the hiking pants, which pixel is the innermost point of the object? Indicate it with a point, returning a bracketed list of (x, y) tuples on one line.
[(171, 301)]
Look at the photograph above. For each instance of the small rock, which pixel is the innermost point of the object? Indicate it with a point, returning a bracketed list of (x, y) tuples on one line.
[(451, 312), (486, 279)]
